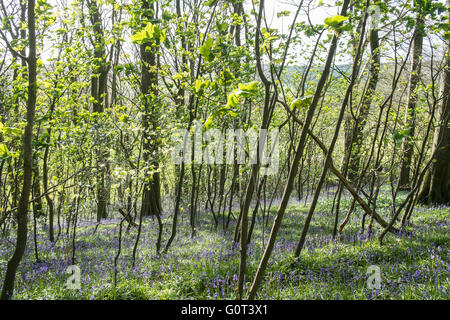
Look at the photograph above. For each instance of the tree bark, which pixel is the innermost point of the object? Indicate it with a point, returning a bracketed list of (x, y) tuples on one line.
[(151, 196), (410, 114), (435, 188), (22, 211), (354, 144), (98, 90)]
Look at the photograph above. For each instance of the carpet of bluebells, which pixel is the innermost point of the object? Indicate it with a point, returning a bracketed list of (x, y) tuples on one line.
[(415, 266)]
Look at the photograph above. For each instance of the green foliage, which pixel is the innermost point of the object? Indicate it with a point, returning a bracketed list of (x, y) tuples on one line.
[(284, 13), (268, 37), (208, 123), (244, 91), (301, 103), (204, 71), (210, 3), (247, 90), (151, 33), (401, 134), (200, 85), (222, 27), (4, 152), (336, 23), (205, 49)]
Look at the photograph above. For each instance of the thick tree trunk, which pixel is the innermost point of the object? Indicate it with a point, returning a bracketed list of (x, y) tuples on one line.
[(410, 114), (435, 188), (98, 92), (151, 197), (22, 211)]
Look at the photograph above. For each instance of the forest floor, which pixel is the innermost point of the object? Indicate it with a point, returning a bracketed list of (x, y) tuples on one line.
[(206, 266)]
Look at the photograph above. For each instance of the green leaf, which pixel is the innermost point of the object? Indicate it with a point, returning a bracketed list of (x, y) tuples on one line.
[(180, 75), (222, 27), (268, 38), (284, 13), (301, 103), (447, 35), (208, 122), (210, 3), (226, 76), (233, 100), (197, 85), (335, 21), (399, 135), (4, 152), (232, 113), (205, 49), (151, 33), (244, 90), (200, 85), (247, 89), (10, 132)]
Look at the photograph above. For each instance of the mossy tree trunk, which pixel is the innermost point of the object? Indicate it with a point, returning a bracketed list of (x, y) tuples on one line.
[(151, 197), (98, 92)]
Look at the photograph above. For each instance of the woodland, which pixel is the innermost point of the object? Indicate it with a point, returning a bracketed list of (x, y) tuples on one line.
[(224, 149)]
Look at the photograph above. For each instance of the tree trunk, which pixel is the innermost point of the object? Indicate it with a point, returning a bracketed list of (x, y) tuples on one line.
[(354, 144), (22, 211), (151, 197), (410, 114), (435, 188), (294, 166), (333, 141), (98, 91), (48, 198)]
